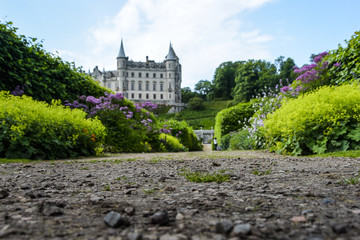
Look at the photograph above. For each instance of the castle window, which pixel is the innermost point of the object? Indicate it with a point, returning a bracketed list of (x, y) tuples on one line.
[(147, 75), (169, 65), (147, 86), (139, 75), (154, 75), (147, 96), (126, 85), (161, 96), (126, 95), (123, 74), (169, 75), (161, 86), (140, 86), (170, 96), (109, 85), (127, 74), (154, 86), (132, 86), (161, 75), (154, 96), (132, 95), (132, 74), (139, 95)]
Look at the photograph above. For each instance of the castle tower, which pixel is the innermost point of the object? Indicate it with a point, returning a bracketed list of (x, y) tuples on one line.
[(173, 69), (121, 67)]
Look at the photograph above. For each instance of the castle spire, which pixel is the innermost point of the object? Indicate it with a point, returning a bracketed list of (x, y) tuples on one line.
[(121, 52), (171, 55)]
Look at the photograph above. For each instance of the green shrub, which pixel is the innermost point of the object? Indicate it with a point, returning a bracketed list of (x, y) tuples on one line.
[(26, 68), (183, 132), (196, 103), (225, 142), (232, 119), (242, 140), (36, 130), (172, 144), (324, 121)]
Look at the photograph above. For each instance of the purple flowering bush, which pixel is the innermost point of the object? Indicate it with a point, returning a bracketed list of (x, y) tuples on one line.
[(130, 127)]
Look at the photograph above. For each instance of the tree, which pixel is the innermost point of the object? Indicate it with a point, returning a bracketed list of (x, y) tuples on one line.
[(204, 87), (224, 79), (187, 94), (196, 103), (252, 77), (287, 70)]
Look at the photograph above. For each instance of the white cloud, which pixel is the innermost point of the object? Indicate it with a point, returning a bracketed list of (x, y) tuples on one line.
[(204, 33)]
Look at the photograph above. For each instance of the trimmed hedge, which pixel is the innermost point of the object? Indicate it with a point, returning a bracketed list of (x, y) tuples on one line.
[(232, 119), (172, 144), (327, 120), (36, 130)]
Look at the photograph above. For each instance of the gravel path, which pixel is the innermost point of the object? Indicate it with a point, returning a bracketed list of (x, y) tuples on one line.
[(145, 196)]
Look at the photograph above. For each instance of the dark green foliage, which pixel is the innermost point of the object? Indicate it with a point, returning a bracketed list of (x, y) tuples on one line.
[(187, 94), (204, 88), (195, 103), (225, 142), (286, 69), (252, 77), (344, 62), (232, 119), (25, 64), (224, 80)]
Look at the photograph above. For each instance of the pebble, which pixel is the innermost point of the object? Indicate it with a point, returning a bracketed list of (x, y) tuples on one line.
[(135, 236), (328, 200), (114, 219), (173, 237), (4, 193), (50, 210), (224, 227), (298, 219), (242, 229), (161, 218), (339, 228), (129, 211)]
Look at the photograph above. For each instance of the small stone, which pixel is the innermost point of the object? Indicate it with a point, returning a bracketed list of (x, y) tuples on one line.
[(50, 210), (224, 227), (30, 194), (216, 164), (25, 186), (328, 200), (298, 219), (339, 228), (135, 236), (4, 193), (173, 237), (129, 211), (179, 216), (114, 219), (160, 218), (242, 229), (169, 189)]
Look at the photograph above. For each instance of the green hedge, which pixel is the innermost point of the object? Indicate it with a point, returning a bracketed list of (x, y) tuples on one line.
[(172, 144), (327, 120), (232, 119), (26, 67), (36, 130)]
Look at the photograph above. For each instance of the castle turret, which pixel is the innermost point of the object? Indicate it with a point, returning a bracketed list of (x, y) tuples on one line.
[(121, 66)]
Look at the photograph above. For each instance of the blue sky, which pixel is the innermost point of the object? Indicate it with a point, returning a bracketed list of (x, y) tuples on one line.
[(204, 33)]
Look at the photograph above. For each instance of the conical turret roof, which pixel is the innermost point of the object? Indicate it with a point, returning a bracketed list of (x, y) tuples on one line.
[(171, 55), (121, 52)]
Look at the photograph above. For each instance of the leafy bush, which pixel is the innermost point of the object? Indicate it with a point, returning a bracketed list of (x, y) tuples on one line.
[(196, 103), (242, 140), (129, 127), (183, 132), (324, 121), (172, 144), (26, 68), (232, 119), (225, 142), (37, 130)]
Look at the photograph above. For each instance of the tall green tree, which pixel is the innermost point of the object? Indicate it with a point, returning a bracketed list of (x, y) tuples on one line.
[(252, 77), (187, 94), (224, 79), (285, 68), (204, 88)]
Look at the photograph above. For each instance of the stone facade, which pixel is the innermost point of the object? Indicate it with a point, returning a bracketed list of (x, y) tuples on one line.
[(148, 81)]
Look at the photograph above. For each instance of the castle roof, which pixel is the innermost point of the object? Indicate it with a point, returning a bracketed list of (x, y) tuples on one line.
[(171, 55), (121, 52)]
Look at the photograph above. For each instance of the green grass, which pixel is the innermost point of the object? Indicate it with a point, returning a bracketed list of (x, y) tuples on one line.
[(351, 180), (261, 173), (5, 160), (351, 154), (205, 177)]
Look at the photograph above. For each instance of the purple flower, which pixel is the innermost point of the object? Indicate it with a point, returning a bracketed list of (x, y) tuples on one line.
[(18, 91), (285, 89), (337, 64)]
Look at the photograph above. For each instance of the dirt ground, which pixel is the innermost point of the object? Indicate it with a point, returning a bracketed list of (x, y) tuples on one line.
[(146, 196)]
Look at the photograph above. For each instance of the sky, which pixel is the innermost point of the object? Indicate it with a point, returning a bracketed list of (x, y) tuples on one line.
[(203, 33)]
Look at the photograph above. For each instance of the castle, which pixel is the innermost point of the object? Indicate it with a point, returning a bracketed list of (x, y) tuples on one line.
[(159, 83)]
